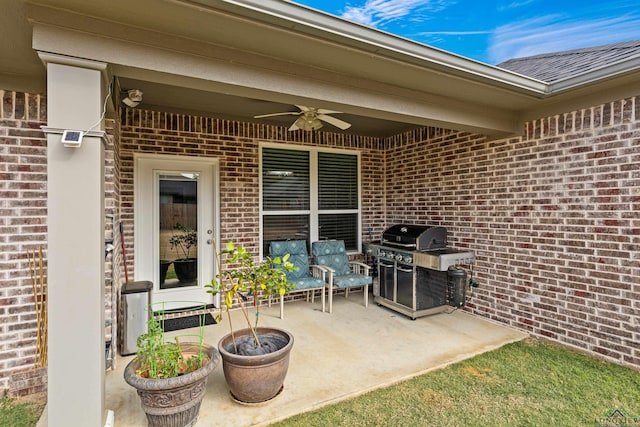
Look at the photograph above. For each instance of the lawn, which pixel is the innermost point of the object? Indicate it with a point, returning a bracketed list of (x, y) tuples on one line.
[(24, 412), (526, 383)]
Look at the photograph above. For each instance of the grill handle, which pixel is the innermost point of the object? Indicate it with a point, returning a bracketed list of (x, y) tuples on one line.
[(405, 245), (404, 270)]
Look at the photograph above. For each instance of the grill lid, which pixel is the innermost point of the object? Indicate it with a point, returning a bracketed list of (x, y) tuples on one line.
[(416, 237)]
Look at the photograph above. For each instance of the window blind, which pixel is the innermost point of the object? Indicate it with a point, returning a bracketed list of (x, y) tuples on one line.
[(285, 179), (340, 227), (337, 181)]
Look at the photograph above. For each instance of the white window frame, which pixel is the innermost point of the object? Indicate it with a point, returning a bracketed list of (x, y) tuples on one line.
[(313, 210)]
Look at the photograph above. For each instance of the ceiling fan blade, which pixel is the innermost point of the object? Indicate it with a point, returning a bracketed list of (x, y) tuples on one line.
[(334, 121), (323, 111), (303, 109), (288, 113), (294, 126)]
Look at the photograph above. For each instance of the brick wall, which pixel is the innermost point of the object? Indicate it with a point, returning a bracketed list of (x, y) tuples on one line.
[(554, 218), (236, 146), (23, 227), (23, 214)]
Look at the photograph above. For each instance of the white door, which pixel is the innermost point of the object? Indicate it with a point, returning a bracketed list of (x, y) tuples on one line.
[(175, 227)]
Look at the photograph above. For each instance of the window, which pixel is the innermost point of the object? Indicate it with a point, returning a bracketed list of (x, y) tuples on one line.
[(310, 194)]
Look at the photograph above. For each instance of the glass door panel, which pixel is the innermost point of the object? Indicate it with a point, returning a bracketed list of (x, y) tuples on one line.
[(178, 230)]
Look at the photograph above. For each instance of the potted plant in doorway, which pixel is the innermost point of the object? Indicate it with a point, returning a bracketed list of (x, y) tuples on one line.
[(255, 359), (170, 376), (183, 240)]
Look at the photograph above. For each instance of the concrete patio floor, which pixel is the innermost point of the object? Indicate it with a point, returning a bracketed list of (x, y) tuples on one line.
[(335, 357)]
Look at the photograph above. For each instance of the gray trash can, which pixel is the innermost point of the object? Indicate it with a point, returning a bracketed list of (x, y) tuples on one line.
[(136, 298)]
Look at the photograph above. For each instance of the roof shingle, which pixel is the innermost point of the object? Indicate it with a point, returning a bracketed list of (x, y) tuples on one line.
[(551, 67)]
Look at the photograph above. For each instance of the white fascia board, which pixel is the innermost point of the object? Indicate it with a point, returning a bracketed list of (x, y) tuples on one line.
[(310, 21)]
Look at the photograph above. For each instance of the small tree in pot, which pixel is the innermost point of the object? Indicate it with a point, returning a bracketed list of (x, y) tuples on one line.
[(182, 241), (255, 360)]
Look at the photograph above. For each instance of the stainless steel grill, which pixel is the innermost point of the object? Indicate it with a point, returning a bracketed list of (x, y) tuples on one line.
[(417, 273)]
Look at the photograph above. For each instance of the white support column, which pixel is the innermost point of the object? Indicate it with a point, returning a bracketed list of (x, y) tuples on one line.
[(76, 373)]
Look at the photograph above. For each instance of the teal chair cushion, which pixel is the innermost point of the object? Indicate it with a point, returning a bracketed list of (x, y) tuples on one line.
[(308, 282), (299, 258), (332, 253), (351, 280)]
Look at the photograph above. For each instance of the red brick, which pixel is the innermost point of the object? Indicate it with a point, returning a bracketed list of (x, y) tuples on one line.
[(550, 213)]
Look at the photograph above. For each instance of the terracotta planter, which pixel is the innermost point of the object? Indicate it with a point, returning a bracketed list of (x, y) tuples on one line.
[(255, 379), (173, 402)]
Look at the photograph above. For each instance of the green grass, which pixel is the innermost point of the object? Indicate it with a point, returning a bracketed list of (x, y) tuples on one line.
[(526, 383), (19, 414)]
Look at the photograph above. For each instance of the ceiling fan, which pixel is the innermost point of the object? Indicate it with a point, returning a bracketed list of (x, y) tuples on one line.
[(311, 118)]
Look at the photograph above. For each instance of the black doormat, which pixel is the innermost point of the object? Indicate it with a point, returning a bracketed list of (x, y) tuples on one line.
[(187, 322)]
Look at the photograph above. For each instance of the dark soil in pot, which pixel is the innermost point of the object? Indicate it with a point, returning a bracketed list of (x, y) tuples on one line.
[(247, 345)]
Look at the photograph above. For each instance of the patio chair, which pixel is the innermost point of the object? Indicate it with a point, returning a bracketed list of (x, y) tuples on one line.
[(341, 273), (306, 278)]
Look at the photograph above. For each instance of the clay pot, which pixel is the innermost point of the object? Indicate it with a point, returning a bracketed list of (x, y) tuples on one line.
[(255, 379)]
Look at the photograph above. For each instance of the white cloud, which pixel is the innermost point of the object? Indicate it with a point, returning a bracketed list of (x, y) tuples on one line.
[(552, 34), (514, 5), (453, 33), (376, 13)]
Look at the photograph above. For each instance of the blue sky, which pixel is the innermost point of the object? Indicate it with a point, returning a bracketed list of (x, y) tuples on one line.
[(494, 31)]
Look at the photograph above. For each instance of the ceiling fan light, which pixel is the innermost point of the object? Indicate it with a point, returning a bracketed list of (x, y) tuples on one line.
[(316, 124), (310, 118), (307, 123), (300, 123)]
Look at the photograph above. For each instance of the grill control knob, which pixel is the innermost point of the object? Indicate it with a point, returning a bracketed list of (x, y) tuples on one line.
[(399, 257), (381, 253), (408, 259)]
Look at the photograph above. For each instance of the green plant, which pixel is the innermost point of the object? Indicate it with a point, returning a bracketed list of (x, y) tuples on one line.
[(16, 413), (526, 383), (259, 280), (163, 359), (183, 240)]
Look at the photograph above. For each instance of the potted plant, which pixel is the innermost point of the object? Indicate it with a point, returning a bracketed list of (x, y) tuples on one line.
[(182, 240), (170, 376), (255, 360)]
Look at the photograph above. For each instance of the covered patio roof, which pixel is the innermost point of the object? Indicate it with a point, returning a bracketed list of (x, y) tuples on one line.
[(238, 59)]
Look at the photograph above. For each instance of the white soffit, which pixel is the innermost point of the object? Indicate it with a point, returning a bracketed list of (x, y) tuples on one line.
[(270, 38)]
